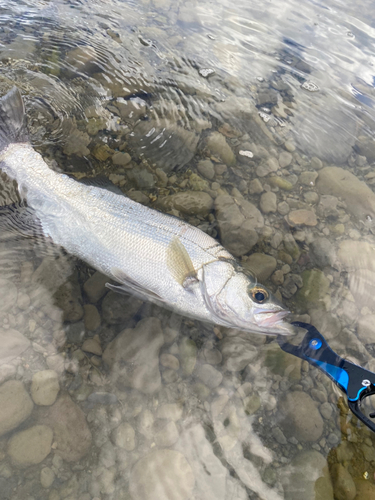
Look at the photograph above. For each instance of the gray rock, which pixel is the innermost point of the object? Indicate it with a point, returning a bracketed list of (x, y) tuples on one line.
[(343, 484), (133, 356), (323, 252), (285, 159), (92, 346), (12, 343), (255, 187), (206, 168), (142, 178), (170, 411), (121, 159), (207, 374), (359, 198), (47, 477), (328, 206), (124, 436), (326, 410), (217, 144), (277, 433), (188, 355), (283, 208), (238, 223), (169, 361), (118, 308), (92, 319), (365, 146), (68, 422), (237, 353), (45, 387), (261, 265), (162, 474), (308, 178), (76, 143), (311, 197), (95, 287), (167, 435), (15, 405), (307, 477), (268, 202), (301, 417), (31, 446), (192, 202)]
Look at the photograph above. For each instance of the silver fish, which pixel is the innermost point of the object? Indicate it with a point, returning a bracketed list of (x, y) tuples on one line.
[(150, 254)]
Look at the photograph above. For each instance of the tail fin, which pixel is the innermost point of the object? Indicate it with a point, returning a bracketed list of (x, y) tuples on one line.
[(12, 118)]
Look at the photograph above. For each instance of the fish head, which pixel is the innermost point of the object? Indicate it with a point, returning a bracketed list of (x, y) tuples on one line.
[(235, 299)]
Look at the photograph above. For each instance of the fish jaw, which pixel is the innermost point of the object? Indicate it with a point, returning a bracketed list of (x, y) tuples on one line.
[(272, 322)]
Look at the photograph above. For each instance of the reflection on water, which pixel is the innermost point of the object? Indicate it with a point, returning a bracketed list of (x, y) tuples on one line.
[(255, 124)]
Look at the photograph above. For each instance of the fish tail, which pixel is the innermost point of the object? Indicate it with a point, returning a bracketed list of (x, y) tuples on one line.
[(12, 119)]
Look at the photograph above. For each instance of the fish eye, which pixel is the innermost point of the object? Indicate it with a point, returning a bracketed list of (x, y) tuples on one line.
[(260, 295)]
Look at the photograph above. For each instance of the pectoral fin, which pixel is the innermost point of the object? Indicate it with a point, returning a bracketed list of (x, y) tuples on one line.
[(129, 286), (180, 264)]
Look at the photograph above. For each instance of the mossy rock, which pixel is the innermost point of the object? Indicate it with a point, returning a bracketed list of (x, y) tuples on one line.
[(315, 292), (282, 363)]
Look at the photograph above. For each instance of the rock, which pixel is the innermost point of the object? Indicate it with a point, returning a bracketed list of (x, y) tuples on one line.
[(121, 159), (92, 346), (270, 166), (83, 59), (356, 255), (365, 146), (69, 298), (31, 446), (211, 477), (118, 309), (315, 291), (255, 187), (15, 405), (171, 411), (207, 374), (124, 436), (280, 363), (326, 410), (283, 208), (238, 221), (47, 477), (162, 474), (323, 252), (237, 353), (68, 422), (206, 168), (268, 202), (291, 246), (366, 329), (302, 419), (95, 287), (280, 182), (188, 355), (92, 317), (365, 490), (328, 206), (45, 387), (310, 197), (142, 178), (169, 361), (218, 146), (133, 356), (307, 475), (343, 484), (261, 265), (167, 435), (359, 198), (8, 295), (192, 202), (285, 159), (308, 178), (76, 143), (301, 218), (12, 343)]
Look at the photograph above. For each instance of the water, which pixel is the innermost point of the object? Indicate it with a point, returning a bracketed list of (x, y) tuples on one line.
[(260, 103)]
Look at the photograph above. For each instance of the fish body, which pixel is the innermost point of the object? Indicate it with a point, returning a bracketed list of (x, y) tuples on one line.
[(153, 255)]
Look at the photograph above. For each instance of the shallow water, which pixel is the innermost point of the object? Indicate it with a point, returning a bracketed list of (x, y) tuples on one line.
[(106, 397)]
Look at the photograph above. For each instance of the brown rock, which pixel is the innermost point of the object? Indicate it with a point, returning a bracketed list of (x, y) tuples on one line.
[(301, 218), (30, 446), (68, 422)]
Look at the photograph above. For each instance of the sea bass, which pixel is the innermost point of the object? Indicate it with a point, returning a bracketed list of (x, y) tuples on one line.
[(153, 255)]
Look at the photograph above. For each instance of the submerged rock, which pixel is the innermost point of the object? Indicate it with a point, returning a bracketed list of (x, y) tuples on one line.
[(261, 265), (192, 202), (45, 387), (31, 446), (315, 291), (302, 419), (12, 344), (133, 356), (15, 405), (359, 198), (218, 146)]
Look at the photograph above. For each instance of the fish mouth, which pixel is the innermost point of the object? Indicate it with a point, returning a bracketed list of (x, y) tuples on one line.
[(271, 319)]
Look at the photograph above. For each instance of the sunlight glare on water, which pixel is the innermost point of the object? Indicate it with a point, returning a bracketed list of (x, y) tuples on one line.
[(254, 122)]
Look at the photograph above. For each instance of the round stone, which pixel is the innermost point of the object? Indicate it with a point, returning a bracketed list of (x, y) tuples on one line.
[(302, 418), (47, 476), (162, 474), (124, 436), (15, 405), (45, 387), (285, 159), (31, 446)]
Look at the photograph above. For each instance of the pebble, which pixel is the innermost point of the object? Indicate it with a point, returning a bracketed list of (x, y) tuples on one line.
[(170, 411), (95, 287), (47, 477), (326, 410), (206, 168), (218, 145), (45, 387), (255, 187), (188, 355), (322, 252), (117, 308), (283, 208), (31, 446), (167, 435), (285, 159), (169, 361), (308, 178), (12, 343), (301, 218), (15, 405), (124, 436), (301, 417), (311, 197), (92, 317), (268, 202), (162, 474), (121, 159), (92, 346), (193, 203), (207, 374), (237, 353), (261, 265)]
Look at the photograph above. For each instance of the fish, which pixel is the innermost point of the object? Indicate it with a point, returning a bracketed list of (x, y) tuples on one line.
[(147, 253)]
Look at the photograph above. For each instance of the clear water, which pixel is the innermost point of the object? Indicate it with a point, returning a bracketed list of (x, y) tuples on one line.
[(175, 409)]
